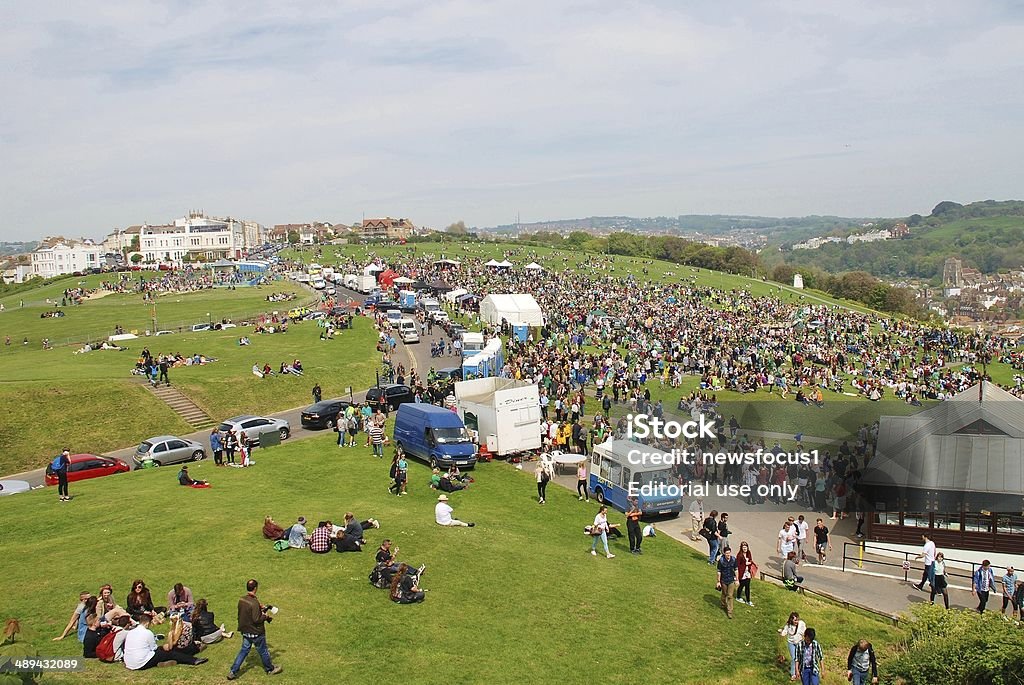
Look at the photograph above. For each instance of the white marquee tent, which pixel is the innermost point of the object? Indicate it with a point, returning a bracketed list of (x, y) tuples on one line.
[(515, 309), (533, 266)]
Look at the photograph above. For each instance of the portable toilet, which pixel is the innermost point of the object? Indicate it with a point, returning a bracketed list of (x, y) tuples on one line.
[(520, 332)]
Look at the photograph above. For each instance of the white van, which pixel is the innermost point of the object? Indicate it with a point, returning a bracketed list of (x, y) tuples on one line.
[(408, 331)]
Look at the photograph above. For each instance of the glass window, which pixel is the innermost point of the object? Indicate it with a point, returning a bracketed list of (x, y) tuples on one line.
[(1010, 525), (916, 520), (978, 523), (947, 522), (606, 469), (616, 474), (162, 447), (595, 463), (889, 518)]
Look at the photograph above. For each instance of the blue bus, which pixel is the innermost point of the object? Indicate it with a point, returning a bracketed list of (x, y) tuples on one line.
[(615, 464)]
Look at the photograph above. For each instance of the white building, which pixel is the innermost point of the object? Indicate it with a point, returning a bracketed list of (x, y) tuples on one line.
[(195, 237), (66, 257), (19, 273)]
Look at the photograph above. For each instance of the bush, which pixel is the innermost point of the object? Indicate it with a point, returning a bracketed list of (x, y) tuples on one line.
[(959, 648)]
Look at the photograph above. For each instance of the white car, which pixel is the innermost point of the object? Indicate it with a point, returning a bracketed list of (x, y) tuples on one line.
[(439, 316), (410, 336)]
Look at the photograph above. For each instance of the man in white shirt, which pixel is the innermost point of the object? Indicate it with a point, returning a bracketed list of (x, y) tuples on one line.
[(787, 539), (801, 536), (443, 514), (928, 554), (141, 651)]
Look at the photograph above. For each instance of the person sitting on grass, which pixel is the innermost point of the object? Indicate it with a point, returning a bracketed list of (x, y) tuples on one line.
[(141, 651), (297, 536), (354, 528), (443, 514), (73, 622), (204, 627), (320, 540), (344, 542), (185, 479), (405, 587), (272, 531)]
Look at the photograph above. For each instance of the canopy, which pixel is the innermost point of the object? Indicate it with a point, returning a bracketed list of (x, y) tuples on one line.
[(515, 309), (449, 262), (453, 295), (533, 266), (493, 262), (387, 278), (402, 280), (504, 264), (440, 286)]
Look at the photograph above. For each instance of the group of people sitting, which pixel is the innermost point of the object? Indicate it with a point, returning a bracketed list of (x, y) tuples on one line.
[(112, 633), (293, 369), (325, 537), (450, 481), (402, 579)]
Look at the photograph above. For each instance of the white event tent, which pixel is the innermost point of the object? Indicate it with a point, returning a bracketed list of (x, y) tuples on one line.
[(515, 309)]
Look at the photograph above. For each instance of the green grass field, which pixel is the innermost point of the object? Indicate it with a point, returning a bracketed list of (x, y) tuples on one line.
[(516, 599), (90, 402)]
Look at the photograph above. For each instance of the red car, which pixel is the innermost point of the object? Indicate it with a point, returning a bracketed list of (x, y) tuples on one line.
[(84, 466)]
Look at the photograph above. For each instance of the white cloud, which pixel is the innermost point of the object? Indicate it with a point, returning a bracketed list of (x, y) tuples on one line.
[(133, 111)]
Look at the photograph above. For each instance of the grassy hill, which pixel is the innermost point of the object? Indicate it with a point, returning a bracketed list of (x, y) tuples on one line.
[(517, 599), (91, 402), (985, 235)]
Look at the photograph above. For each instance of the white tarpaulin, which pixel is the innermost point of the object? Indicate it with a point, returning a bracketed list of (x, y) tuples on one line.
[(515, 309)]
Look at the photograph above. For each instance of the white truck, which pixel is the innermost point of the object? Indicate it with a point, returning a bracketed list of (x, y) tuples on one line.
[(504, 412), (366, 284)]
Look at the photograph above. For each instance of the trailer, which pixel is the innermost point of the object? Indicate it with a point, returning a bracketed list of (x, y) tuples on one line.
[(366, 283), (505, 413)]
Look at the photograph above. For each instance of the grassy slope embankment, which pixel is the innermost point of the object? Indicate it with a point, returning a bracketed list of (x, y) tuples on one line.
[(516, 599)]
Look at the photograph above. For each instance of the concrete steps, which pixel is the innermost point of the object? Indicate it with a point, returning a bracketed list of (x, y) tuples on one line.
[(182, 405)]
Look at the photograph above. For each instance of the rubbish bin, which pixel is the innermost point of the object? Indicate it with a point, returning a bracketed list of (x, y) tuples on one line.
[(270, 439)]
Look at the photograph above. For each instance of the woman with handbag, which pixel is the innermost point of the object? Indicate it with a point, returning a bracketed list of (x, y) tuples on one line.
[(793, 631), (746, 571)]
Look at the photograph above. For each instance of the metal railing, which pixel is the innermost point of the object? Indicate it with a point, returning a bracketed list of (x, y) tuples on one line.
[(894, 619), (858, 558)]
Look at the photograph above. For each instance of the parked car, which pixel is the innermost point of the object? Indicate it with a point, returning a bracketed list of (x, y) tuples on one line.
[(168, 449), (322, 414), (13, 487), (449, 373), (394, 394), (433, 434), (85, 466), (253, 426), (200, 327), (164, 333), (439, 316)]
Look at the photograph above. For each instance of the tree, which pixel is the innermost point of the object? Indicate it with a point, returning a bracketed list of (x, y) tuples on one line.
[(458, 228), (293, 237), (783, 273), (945, 207), (136, 258), (854, 285)]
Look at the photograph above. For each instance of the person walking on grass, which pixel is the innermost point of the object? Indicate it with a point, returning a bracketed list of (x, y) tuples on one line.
[(543, 478), (599, 531), (746, 569), (581, 482), (60, 467), (252, 620), (726, 582), (317, 393), (808, 656), (861, 665), (793, 631), (710, 533)]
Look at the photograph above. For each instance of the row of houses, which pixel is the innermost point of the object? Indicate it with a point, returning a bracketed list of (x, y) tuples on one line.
[(385, 228), (896, 232), (193, 237)]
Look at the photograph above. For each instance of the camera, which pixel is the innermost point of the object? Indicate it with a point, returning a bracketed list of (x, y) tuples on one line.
[(270, 610)]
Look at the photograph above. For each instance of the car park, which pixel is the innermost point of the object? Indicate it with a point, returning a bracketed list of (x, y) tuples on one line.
[(395, 395), (86, 466), (168, 449), (254, 426), (323, 414)]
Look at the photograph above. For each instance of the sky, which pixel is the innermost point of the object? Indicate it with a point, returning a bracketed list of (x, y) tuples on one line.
[(119, 113)]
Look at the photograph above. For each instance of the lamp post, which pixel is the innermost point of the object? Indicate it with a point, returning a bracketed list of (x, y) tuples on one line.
[(210, 318)]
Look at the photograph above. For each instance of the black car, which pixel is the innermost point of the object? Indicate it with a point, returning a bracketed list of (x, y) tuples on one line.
[(393, 393), (323, 414), (451, 373)]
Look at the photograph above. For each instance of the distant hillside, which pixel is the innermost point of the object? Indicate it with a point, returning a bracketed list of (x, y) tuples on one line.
[(772, 228), (988, 236), (7, 248)]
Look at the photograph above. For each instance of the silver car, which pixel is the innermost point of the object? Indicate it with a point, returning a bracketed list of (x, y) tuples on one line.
[(254, 426), (168, 449)]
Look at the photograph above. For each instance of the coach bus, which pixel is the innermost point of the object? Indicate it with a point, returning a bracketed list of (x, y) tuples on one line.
[(613, 468)]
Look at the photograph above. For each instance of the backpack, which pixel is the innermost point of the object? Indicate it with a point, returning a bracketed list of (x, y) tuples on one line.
[(105, 648), (281, 546), (379, 579), (57, 464)]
